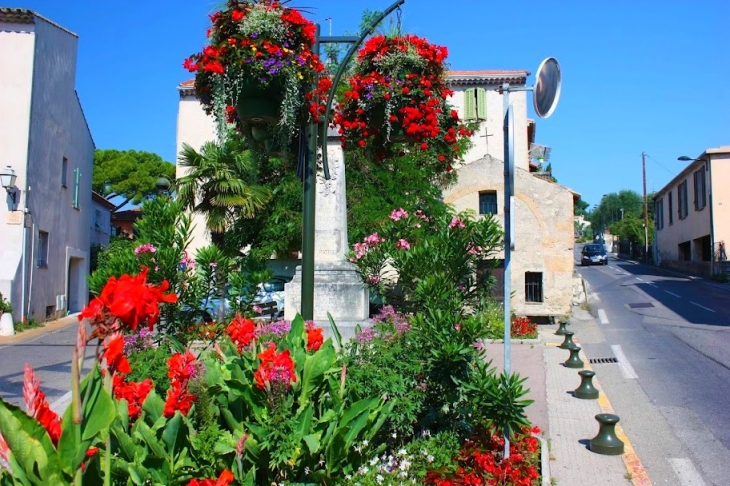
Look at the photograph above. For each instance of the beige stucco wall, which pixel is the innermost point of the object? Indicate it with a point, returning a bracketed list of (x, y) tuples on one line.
[(489, 139), (543, 233), (720, 183)]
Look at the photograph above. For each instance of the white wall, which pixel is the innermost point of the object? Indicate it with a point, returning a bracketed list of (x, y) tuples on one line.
[(48, 124), (101, 223), (195, 128)]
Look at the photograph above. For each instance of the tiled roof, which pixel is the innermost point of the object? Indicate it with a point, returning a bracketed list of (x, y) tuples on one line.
[(492, 77), (16, 16), (25, 16)]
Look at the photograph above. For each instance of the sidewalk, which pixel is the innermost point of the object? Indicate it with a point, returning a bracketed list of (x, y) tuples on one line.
[(46, 328)]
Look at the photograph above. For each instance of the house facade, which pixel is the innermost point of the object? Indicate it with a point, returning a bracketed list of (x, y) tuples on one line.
[(692, 220), (101, 219), (542, 262), (45, 232)]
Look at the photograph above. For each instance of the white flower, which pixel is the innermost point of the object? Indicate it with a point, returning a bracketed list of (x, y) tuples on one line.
[(402, 452), (373, 461), (429, 458), (365, 443), (379, 479)]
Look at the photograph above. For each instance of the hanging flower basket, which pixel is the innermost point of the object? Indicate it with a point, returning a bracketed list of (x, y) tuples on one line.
[(398, 95), (259, 67)]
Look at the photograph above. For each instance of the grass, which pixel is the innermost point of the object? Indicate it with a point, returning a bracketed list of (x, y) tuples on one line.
[(24, 326)]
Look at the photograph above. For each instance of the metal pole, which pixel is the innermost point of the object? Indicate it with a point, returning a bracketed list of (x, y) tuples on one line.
[(646, 211), (308, 208), (508, 225), (708, 163)]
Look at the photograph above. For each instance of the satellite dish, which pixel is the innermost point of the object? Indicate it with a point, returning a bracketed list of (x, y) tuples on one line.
[(547, 89)]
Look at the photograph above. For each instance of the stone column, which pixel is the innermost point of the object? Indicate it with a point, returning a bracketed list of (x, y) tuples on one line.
[(338, 288)]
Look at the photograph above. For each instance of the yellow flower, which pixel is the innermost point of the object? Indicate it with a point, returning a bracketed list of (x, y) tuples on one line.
[(299, 75)]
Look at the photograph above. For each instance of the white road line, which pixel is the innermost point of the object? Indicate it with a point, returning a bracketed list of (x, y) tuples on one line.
[(623, 362), (685, 470), (652, 285), (701, 306), (672, 293), (637, 278), (602, 316)]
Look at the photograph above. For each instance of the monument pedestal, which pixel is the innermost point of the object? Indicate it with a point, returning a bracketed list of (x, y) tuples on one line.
[(338, 288)]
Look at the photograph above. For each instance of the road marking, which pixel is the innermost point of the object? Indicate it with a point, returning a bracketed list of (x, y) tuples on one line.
[(702, 306), (672, 293), (653, 285), (637, 278), (686, 472), (602, 316), (623, 362)]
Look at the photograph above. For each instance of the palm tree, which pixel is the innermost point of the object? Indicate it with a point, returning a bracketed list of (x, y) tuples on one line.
[(221, 184)]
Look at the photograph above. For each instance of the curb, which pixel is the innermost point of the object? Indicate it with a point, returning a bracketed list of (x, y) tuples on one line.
[(544, 461), (46, 328), (536, 340)]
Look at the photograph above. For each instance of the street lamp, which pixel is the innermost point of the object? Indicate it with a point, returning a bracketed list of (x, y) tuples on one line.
[(7, 179), (684, 158), (162, 185)]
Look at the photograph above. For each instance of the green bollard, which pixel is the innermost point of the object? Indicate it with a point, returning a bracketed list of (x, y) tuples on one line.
[(568, 342), (606, 441), (574, 361), (561, 328), (586, 390)]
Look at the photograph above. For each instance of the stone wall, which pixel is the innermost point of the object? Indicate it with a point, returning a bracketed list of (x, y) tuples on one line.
[(543, 233)]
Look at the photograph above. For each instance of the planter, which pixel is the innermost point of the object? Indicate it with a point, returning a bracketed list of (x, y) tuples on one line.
[(257, 103), (6, 325)]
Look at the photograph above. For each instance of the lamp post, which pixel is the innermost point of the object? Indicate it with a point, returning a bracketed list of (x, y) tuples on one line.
[(7, 179), (708, 163), (162, 185), (646, 210)]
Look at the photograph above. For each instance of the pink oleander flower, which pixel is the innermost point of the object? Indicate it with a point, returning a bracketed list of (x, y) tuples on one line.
[(456, 222), (473, 249), (374, 239), (398, 214), (146, 248), (257, 309), (419, 214), (374, 279), (403, 245)]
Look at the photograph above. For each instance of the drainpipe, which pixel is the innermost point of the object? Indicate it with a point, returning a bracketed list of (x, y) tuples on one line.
[(24, 249), (30, 280), (712, 220)]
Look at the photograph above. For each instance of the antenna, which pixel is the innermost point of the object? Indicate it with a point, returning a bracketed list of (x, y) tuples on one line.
[(539, 152)]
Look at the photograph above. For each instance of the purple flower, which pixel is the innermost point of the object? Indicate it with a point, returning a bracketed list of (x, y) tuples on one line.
[(254, 35)]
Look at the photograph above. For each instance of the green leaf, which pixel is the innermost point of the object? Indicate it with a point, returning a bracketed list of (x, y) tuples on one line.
[(171, 435), (335, 331), (315, 367), (312, 441), (31, 449)]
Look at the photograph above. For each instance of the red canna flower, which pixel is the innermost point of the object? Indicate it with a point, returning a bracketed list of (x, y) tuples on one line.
[(183, 368), (275, 367), (224, 479), (241, 331), (37, 406), (315, 338), (113, 352), (135, 394)]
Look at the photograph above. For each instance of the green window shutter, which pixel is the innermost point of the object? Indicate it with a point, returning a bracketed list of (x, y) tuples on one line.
[(481, 111), (470, 109), (77, 185)]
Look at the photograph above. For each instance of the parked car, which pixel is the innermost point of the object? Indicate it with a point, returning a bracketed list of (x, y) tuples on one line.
[(593, 255), (272, 291)]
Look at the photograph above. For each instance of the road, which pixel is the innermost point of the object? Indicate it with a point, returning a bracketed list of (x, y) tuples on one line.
[(671, 385), (50, 355)]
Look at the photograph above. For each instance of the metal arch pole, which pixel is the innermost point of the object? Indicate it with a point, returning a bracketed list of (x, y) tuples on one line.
[(509, 189), (310, 166)]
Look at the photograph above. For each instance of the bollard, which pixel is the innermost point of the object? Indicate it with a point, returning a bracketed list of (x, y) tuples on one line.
[(574, 361), (568, 342), (606, 441), (561, 328), (586, 390)]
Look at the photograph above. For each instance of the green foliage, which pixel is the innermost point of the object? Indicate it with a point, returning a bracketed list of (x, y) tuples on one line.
[(611, 207), (580, 207), (221, 184), (385, 361), (631, 228), (129, 173), (5, 305), (149, 360)]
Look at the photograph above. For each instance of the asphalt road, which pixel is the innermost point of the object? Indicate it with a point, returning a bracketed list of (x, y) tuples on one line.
[(50, 356), (671, 385)]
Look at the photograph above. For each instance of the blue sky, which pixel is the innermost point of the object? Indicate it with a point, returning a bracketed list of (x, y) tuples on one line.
[(637, 75)]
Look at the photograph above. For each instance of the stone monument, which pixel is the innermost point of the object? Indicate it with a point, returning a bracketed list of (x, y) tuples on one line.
[(338, 288)]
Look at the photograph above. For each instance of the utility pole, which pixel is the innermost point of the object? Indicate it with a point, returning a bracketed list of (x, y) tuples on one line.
[(646, 211)]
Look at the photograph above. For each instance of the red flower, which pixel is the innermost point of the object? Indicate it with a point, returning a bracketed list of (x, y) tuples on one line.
[(274, 367), (224, 479), (134, 393), (37, 406), (237, 15), (241, 331), (315, 338), (178, 399), (113, 352), (183, 367)]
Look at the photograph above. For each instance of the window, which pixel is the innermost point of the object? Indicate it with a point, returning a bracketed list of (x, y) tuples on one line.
[(659, 213), (475, 104), (488, 202), (671, 207), (42, 249), (682, 208), (533, 286), (700, 189), (490, 275), (77, 187), (64, 171)]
